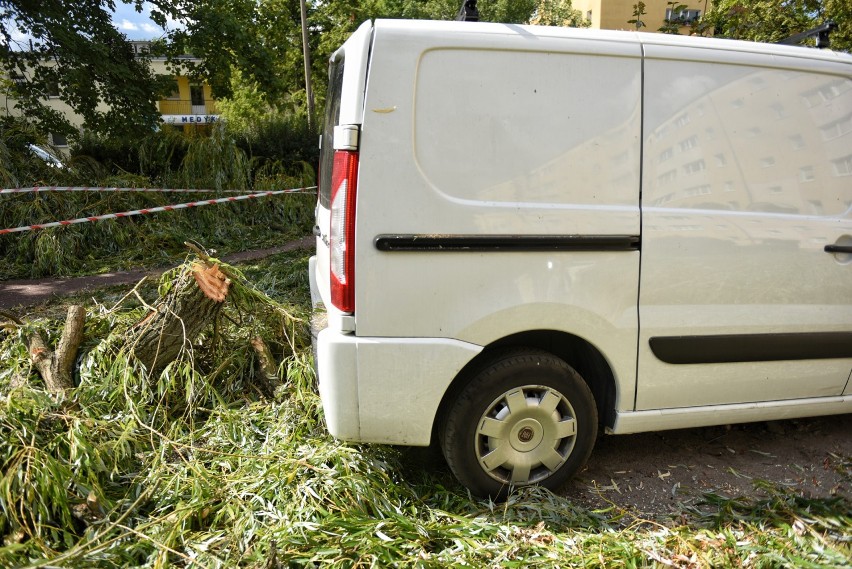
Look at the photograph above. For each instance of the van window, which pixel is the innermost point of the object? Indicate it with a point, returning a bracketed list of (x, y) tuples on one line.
[(777, 164), (332, 114)]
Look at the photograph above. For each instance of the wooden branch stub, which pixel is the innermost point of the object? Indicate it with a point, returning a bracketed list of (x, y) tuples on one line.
[(55, 367), (268, 367), (11, 317), (212, 282)]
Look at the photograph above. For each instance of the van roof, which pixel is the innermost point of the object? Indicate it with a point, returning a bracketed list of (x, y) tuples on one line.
[(438, 27)]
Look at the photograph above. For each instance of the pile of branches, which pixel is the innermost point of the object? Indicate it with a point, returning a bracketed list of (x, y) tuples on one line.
[(86, 404)]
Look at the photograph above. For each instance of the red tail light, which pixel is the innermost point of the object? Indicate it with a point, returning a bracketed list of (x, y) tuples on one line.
[(344, 183)]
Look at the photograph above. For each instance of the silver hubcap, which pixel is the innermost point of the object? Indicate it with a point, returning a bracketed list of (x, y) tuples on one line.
[(525, 435)]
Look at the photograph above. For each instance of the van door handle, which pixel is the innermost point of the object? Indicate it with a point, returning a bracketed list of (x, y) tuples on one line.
[(838, 248)]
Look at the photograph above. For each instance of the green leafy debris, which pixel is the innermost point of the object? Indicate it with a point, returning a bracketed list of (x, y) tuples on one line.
[(199, 467)]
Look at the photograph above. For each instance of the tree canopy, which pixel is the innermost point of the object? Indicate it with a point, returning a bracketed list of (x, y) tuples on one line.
[(774, 20), (250, 51), (76, 53)]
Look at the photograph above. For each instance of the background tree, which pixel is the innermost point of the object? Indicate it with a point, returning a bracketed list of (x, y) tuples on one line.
[(558, 13), (77, 53), (773, 20)]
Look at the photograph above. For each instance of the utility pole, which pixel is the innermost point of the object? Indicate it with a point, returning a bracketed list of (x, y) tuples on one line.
[(306, 50)]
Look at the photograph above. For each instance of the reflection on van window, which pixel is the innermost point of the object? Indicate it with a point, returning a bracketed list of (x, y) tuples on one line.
[(810, 168)]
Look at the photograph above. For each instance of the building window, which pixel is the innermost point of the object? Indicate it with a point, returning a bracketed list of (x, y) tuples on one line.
[(52, 89), (703, 190), (797, 141), (175, 94), (682, 120), (767, 162), (665, 199), (589, 15), (806, 174), (689, 143), (720, 160), (666, 154), (196, 94), (666, 177), (837, 128), (58, 139), (843, 166), (684, 17), (825, 93), (694, 167)]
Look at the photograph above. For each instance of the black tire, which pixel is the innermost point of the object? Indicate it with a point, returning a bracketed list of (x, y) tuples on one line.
[(525, 418)]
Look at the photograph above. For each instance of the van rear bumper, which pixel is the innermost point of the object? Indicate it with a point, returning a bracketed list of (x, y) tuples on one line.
[(386, 390)]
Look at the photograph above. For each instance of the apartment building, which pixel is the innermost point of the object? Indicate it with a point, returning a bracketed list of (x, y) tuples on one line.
[(189, 106), (615, 14)]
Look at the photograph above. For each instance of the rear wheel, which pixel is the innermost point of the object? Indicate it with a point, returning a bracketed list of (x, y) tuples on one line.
[(526, 418)]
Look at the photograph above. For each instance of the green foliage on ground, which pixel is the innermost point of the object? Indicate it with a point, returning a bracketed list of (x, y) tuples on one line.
[(204, 466), (161, 160)]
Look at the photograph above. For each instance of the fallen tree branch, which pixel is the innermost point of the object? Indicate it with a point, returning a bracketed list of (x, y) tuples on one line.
[(55, 367)]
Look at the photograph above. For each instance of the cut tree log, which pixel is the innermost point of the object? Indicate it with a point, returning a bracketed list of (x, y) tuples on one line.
[(55, 367), (194, 301)]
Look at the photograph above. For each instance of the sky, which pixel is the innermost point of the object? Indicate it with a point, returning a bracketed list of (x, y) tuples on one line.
[(136, 25)]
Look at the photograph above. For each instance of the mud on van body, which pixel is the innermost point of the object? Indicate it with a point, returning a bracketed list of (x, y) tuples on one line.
[(529, 235)]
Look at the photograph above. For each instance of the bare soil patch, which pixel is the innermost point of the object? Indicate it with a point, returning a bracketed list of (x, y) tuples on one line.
[(658, 474)]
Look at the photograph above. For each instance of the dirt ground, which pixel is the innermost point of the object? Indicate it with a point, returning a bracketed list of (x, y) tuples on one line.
[(654, 474)]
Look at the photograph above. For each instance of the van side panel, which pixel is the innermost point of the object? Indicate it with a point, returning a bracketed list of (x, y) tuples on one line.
[(746, 180), (501, 135)]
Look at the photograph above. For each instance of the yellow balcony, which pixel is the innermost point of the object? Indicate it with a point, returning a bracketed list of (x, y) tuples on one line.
[(186, 107)]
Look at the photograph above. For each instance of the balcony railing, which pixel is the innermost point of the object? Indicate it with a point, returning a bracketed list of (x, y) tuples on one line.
[(185, 107)]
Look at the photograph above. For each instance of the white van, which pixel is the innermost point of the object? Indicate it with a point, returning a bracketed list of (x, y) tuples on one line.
[(528, 235)]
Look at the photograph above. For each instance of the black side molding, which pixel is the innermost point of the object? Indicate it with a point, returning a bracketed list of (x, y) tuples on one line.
[(504, 243), (838, 249), (736, 348)]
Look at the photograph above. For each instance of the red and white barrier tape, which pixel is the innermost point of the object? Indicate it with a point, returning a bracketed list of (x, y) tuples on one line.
[(154, 210), (38, 189)]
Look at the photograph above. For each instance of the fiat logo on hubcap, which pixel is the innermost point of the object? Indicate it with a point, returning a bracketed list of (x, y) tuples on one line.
[(525, 435)]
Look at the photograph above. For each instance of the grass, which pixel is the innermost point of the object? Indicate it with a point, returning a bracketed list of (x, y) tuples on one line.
[(205, 467)]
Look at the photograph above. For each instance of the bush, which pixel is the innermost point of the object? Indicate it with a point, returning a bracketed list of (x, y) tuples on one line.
[(163, 159), (286, 140)]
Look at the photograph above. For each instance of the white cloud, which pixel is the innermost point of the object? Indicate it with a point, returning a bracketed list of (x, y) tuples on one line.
[(127, 25), (151, 28)]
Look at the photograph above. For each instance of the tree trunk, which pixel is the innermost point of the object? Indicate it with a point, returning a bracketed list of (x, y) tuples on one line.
[(194, 301)]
